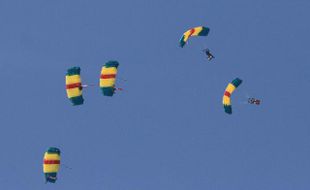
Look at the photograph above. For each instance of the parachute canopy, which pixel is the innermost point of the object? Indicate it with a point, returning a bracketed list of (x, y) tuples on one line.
[(107, 78), (74, 86), (197, 31), (51, 164), (228, 91)]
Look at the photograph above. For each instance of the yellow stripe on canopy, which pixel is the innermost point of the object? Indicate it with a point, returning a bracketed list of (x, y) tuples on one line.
[(107, 82), (73, 92), (226, 100), (50, 168), (49, 156), (230, 88), (73, 79), (108, 70)]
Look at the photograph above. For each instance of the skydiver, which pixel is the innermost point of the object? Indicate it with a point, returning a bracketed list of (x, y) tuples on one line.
[(254, 101), (117, 89), (208, 53)]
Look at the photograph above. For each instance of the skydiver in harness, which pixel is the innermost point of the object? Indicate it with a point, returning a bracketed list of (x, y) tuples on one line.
[(117, 89), (208, 53), (254, 101)]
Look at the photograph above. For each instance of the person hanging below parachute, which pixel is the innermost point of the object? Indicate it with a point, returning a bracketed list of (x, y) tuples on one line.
[(51, 164), (254, 101), (108, 78), (196, 31), (208, 53)]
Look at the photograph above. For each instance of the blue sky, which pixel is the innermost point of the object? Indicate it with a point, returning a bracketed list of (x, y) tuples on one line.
[(167, 130)]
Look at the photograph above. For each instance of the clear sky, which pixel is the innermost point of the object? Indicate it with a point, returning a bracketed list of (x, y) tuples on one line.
[(167, 130)]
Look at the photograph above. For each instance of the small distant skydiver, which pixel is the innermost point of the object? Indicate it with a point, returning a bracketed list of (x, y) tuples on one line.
[(117, 90), (208, 53), (254, 101)]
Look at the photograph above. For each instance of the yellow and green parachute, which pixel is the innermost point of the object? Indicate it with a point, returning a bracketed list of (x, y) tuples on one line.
[(228, 91), (51, 163), (108, 78), (74, 86), (197, 31)]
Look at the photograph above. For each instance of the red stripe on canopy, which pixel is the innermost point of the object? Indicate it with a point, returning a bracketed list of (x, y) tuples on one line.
[(107, 76), (191, 32), (227, 94), (51, 161), (73, 85)]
